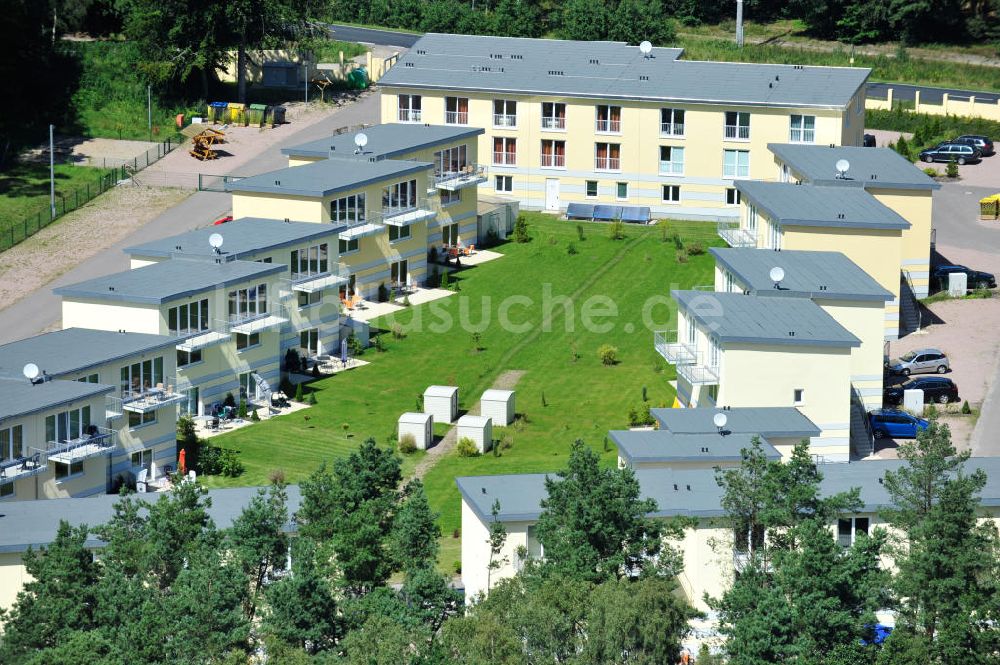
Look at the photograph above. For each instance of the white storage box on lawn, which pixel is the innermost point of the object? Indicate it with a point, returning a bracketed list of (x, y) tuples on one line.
[(477, 428), (498, 405), (442, 403), (420, 425)]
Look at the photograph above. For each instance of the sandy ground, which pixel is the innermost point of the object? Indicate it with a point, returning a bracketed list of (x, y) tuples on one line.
[(80, 235)]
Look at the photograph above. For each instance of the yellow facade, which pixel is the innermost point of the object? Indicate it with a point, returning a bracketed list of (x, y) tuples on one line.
[(551, 183), (915, 206)]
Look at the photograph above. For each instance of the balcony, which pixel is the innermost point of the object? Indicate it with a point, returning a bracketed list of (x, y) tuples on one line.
[(409, 115), (404, 214), (504, 158), (146, 398), (699, 374), (202, 339), (607, 164), (553, 161), (468, 175), (20, 467), (606, 125), (113, 407), (310, 283), (554, 123), (505, 120), (735, 235), (456, 117), (101, 441), (247, 323), (676, 353), (737, 132), (671, 129)]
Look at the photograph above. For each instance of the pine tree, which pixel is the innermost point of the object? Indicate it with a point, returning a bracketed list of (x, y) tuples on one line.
[(302, 611)]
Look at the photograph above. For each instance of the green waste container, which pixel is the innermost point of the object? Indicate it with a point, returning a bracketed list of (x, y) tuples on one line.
[(278, 115), (357, 79), (217, 112), (256, 113)]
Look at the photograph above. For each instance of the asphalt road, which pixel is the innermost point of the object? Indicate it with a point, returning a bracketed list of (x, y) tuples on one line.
[(42, 309), (351, 33)]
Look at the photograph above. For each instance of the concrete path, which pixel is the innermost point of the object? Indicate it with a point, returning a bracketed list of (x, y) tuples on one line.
[(41, 310)]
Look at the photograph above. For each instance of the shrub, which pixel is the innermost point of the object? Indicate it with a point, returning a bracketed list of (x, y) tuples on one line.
[(931, 171), (315, 371), (445, 279), (379, 344), (432, 254), (383, 293), (966, 409), (407, 444), (579, 232), (406, 301), (644, 397), (608, 354), (354, 345), (571, 249), (276, 477), (664, 231), (607, 445), (292, 360), (477, 342), (397, 331), (231, 464), (466, 447), (242, 411), (435, 278), (695, 249), (254, 418), (544, 403), (639, 416), (457, 566), (902, 147), (311, 398), (616, 230), (951, 169), (298, 393), (521, 230), (456, 534), (229, 400), (682, 257), (216, 461), (678, 243), (286, 387)]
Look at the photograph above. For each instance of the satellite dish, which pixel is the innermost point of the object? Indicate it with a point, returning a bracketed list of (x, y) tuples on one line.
[(842, 166), (720, 420), (215, 240), (361, 140), (645, 48), (777, 274), (31, 371)]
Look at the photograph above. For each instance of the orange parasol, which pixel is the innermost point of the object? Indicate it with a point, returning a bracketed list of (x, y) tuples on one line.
[(181, 466)]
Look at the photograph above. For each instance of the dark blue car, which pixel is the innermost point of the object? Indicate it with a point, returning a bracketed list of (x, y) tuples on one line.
[(895, 424)]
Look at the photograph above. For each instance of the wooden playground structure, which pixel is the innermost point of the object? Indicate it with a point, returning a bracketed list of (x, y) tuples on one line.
[(203, 140)]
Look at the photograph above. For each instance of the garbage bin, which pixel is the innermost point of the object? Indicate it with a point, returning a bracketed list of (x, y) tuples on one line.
[(217, 111), (255, 116), (278, 115), (237, 113), (989, 207), (357, 79)]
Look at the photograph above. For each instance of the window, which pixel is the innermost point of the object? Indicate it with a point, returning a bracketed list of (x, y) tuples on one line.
[(189, 318), (727, 280), (456, 110), (400, 196), (136, 419), (350, 288), (774, 235), (752, 219), (714, 353), (607, 156), (672, 122), (503, 183), (504, 151), (142, 459), (449, 235), (732, 196), (737, 125), (248, 387), (312, 260), (90, 378), (803, 129), (185, 358), (307, 299), (692, 330), (448, 197), (409, 108), (553, 153), (63, 470), (591, 189), (798, 396), (247, 341), (140, 377), (671, 194), (785, 175), (736, 164), (553, 116), (848, 530), (248, 302), (348, 210), (621, 191), (671, 160), (609, 118), (398, 233), (189, 407), (309, 341), (398, 272), (504, 113), (11, 443), (452, 160), (348, 245)]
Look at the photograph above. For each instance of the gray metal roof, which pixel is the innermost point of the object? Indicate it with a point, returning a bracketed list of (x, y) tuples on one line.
[(73, 350), (613, 70), (870, 167), (645, 446), (388, 141), (767, 421), (35, 523), (816, 275), (694, 492), (734, 317), (247, 235), (326, 176), (168, 280), (816, 205), (19, 397)]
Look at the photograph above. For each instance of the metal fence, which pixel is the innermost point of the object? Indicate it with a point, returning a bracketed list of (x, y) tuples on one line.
[(16, 231)]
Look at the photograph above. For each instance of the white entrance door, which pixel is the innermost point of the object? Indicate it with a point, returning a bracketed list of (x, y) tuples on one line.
[(552, 194)]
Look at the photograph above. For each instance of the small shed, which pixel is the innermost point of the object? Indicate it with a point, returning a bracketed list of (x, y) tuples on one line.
[(442, 403), (477, 428), (498, 405), (420, 425)]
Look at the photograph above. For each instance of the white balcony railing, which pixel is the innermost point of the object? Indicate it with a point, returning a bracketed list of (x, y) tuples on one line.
[(504, 158), (735, 235), (698, 374), (99, 441), (672, 129), (409, 115), (607, 163), (403, 214), (554, 122), (337, 275), (739, 132), (675, 353), (23, 466), (247, 323), (466, 176), (505, 120), (146, 398), (609, 125), (553, 161), (456, 117)]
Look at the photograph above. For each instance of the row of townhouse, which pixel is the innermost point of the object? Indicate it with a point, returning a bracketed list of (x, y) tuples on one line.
[(605, 122)]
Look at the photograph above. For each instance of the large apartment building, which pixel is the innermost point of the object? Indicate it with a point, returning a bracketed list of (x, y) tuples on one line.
[(604, 122)]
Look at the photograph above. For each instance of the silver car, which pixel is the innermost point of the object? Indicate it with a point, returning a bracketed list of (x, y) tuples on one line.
[(921, 361)]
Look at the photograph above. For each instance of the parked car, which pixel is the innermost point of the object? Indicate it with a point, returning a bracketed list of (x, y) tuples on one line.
[(983, 143), (868, 140), (921, 361), (223, 220), (936, 389), (976, 278), (895, 423), (952, 152)]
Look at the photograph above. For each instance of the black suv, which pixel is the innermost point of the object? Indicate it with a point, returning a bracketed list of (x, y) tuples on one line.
[(976, 278), (936, 389), (982, 143)]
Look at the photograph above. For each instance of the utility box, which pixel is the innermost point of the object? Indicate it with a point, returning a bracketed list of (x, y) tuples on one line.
[(958, 284), (477, 428), (498, 405), (442, 403), (913, 401), (420, 425)]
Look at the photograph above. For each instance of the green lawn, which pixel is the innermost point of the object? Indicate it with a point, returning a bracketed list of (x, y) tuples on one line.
[(565, 394)]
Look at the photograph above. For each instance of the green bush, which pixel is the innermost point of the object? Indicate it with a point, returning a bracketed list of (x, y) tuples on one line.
[(311, 398), (682, 257), (608, 354), (354, 345), (678, 243), (466, 447), (286, 386), (254, 418), (298, 393), (966, 409), (695, 249), (292, 360), (951, 169), (215, 461), (383, 293), (397, 330), (931, 171), (229, 400), (521, 230), (407, 444), (242, 411), (579, 232), (571, 249), (639, 416), (445, 279), (616, 230)]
